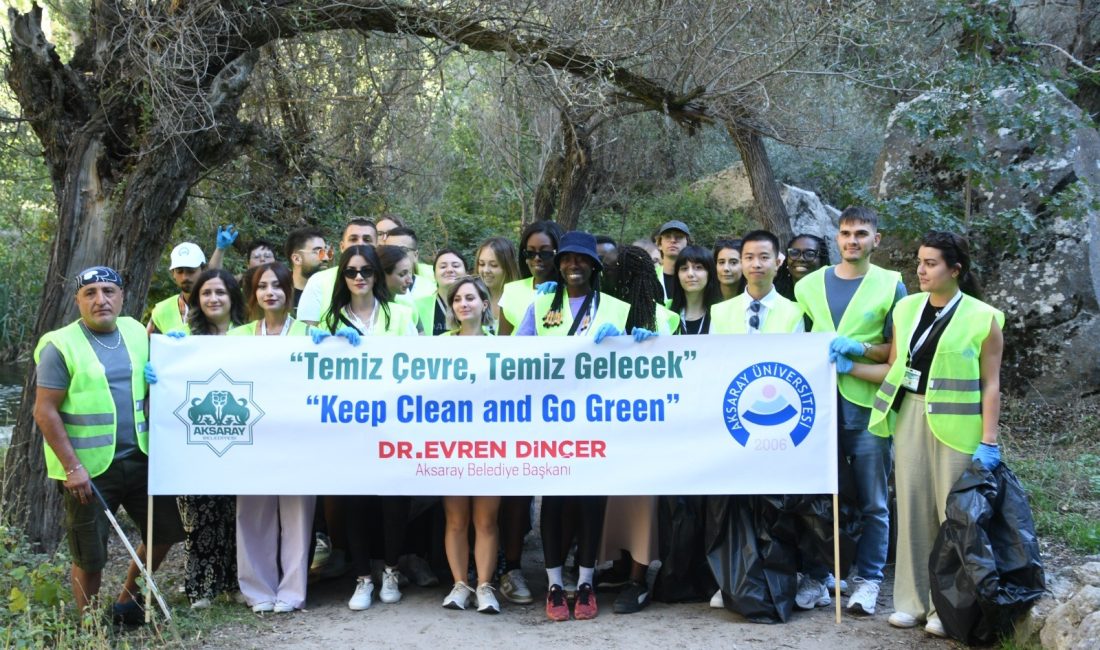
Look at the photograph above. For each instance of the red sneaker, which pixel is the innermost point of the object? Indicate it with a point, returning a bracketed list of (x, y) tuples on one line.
[(584, 607), (556, 607)]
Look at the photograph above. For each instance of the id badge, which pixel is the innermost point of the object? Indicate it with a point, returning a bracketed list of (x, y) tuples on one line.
[(911, 381)]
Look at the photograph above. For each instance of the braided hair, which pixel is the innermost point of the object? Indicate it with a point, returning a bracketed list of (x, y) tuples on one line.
[(638, 286)]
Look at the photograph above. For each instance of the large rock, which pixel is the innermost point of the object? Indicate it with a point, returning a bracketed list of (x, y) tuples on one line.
[(1050, 290), (730, 189), (1075, 624)]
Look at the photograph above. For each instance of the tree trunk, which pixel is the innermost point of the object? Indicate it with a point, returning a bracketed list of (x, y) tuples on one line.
[(765, 191), (567, 179)]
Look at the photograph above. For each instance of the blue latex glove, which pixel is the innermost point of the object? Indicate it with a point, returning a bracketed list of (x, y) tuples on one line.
[(642, 334), (843, 363), (845, 345), (350, 334), (176, 334), (226, 236), (606, 330), (318, 335), (988, 455), (546, 287), (150, 374)]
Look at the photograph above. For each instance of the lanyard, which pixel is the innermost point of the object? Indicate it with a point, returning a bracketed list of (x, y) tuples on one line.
[(286, 326), (915, 347), (582, 322), (704, 325)]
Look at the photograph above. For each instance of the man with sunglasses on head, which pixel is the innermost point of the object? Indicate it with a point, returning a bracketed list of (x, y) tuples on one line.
[(307, 253), (855, 299), (317, 294)]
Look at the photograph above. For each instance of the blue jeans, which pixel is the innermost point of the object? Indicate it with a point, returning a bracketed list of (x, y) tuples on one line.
[(870, 459)]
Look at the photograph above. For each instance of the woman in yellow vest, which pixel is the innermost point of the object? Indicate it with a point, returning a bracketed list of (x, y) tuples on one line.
[(495, 263), (941, 402), (469, 314), (273, 531), (537, 246), (362, 306), (575, 308), (449, 265), (215, 306)]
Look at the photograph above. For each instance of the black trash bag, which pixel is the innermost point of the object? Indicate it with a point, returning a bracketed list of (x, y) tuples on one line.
[(684, 575), (814, 513), (752, 550), (985, 567)]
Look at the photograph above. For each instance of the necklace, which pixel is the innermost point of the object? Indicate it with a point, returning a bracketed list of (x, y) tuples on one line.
[(118, 337)]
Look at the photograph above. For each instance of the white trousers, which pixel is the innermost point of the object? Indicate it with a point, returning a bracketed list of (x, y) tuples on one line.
[(273, 536)]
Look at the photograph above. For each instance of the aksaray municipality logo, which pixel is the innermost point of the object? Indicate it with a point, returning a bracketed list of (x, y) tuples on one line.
[(769, 399), (219, 412)]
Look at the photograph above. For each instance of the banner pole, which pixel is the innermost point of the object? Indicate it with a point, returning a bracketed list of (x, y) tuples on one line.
[(836, 554), (149, 558)]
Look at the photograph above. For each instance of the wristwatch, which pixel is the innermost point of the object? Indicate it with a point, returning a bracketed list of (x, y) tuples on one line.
[(867, 348)]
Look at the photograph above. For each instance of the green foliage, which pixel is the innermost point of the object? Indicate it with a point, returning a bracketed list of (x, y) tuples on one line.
[(1064, 494), (990, 113), (641, 218)]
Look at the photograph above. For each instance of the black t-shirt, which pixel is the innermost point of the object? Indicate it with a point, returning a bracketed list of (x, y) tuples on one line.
[(697, 326), (922, 361), (670, 281), (439, 321)]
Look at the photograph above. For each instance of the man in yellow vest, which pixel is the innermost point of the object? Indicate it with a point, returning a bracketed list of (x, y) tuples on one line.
[(854, 299), (760, 309), (90, 406), (187, 262), (317, 295)]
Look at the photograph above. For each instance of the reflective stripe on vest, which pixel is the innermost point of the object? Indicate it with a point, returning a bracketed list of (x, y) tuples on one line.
[(953, 399), (728, 317), (863, 319), (88, 410), (608, 310)]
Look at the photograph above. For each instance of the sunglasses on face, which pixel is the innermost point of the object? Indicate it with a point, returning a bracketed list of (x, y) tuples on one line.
[(545, 256), (365, 272), (808, 254)]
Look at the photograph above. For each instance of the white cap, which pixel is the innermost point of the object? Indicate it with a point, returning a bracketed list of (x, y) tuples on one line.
[(187, 255)]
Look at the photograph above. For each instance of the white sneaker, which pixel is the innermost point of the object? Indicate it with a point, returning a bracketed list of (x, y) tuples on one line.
[(391, 592), (513, 586), (716, 601), (934, 626), (282, 608), (863, 599), (811, 593), (364, 591), (487, 600), (902, 620), (459, 596), (263, 607)]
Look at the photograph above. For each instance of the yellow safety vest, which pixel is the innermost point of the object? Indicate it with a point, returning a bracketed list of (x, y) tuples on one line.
[(515, 298), (425, 312), (252, 328), (88, 410), (402, 319), (668, 321), (729, 317), (608, 310), (953, 397), (863, 319), (166, 315)]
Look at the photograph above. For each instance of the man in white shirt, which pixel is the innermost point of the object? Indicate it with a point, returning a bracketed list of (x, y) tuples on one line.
[(760, 309)]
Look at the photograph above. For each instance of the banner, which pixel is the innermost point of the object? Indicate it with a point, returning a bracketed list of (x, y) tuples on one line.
[(493, 415)]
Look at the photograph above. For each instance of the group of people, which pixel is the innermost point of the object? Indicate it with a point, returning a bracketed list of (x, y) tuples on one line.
[(918, 382)]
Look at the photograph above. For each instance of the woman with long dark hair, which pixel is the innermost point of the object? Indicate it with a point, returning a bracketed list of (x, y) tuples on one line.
[(940, 400), (362, 303), (537, 246), (727, 262), (696, 290), (209, 521)]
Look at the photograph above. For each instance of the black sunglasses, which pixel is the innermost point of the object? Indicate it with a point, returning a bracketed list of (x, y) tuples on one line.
[(545, 256), (365, 271)]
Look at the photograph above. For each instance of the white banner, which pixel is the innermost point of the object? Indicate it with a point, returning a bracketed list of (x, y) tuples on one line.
[(493, 415)]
